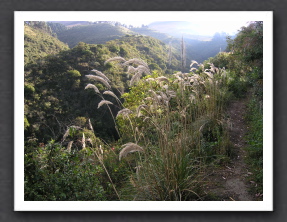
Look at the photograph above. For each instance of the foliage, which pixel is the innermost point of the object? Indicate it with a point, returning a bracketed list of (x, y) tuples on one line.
[(247, 47), (57, 27), (39, 43), (178, 121), (254, 139), (53, 90), (92, 34), (52, 173)]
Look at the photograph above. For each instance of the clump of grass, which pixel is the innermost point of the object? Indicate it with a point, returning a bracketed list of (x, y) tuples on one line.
[(167, 126), (178, 121)]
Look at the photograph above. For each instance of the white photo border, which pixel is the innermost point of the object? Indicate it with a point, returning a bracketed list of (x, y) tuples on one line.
[(21, 205)]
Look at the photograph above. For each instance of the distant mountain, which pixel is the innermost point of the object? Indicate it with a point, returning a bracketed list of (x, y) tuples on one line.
[(39, 42), (71, 23), (153, 33), (98, 33), (198, 47)]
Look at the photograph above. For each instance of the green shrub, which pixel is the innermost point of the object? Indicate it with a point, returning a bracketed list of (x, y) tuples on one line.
[(52, 173)]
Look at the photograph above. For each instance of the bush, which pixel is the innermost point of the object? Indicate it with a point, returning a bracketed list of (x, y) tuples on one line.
[(52, 173)]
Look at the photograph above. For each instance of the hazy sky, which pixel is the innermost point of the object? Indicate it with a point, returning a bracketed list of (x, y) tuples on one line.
[(203, 27)]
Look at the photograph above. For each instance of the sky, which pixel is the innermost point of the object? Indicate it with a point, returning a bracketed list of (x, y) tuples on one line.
[(208, 28)]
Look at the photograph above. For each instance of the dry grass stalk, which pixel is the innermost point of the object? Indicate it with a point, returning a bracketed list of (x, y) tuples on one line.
[(162, 78), (69, 147), (90, 125), (135, 78), (111, 94), (210, 75), (193, 62), (135, 61), (83, 142), (91, 86), (100, 79), (118, 58), (104, 102), (129, 148), (68, 132), (124, 112), (139, 109), (131, 70), (143, 69), (99, 73)]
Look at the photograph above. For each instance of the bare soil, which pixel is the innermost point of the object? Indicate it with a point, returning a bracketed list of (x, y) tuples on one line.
[(229, 181)]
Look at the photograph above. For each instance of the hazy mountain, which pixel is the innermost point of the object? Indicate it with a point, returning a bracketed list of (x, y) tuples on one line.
[(198, 47), (71, 23), (93, 34), (179, 29)]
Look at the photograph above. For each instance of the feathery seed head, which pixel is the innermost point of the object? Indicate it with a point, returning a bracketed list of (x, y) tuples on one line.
[(91, 86), (129, 148), (149, 79), (99, 73), (124, 112), (111, 94), (162, 78), (193, 62), (118, 58), (139, 108), (69, 147), (136, 62), (100, 79), (104, 102)]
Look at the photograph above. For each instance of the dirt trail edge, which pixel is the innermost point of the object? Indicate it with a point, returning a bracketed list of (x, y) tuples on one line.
[(229, 182)]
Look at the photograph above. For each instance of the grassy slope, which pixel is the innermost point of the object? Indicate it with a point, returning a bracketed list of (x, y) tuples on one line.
[(39, 44)]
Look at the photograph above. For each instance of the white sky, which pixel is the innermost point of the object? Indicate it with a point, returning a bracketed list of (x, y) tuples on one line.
[(202, 27)]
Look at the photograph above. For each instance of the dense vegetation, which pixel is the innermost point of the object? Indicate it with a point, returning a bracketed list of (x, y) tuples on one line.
[(92, 34), (121, 121), (40, 42)]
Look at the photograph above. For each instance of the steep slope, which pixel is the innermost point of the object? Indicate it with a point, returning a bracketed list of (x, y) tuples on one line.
[(152, 50), (38, 44), (55, 94)]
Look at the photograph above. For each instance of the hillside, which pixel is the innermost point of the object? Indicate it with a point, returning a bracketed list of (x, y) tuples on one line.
[(55, 87), (92, 34), (120, 121), (39, 43), (198, 48)]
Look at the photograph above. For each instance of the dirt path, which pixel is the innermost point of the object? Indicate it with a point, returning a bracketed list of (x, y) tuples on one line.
[(229, 182)]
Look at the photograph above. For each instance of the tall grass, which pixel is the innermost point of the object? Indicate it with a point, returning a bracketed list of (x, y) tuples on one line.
[(179, 124), (174, 125)]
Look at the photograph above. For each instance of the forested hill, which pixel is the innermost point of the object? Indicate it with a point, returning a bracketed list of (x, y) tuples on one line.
[(40, 41), (54, 88), (98, 33)]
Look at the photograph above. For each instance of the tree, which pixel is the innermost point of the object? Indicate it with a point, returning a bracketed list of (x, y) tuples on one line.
[(247, 47)]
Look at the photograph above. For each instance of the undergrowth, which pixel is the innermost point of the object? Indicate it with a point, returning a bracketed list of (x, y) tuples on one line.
[(254, 140)]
